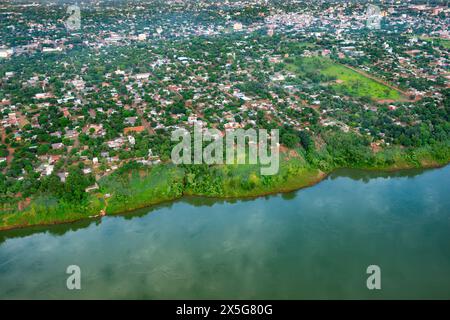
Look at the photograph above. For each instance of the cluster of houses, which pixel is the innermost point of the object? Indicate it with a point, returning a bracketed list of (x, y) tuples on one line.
[(178, 89)]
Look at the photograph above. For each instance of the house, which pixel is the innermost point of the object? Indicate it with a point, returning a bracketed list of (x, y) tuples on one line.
[(237, 26), (57, 146), (113, 38), (114, 144), (71, 134), (47, 49), (62, 176), (79, 84), (142, 37), (54, 158), (142, 76), (131, 120), (6, 53), (5, 102), (192, 119), (277, 77), (44, 95), (48, 169)]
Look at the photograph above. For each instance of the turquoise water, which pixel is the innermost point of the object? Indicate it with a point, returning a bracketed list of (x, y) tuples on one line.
[(313, 243)]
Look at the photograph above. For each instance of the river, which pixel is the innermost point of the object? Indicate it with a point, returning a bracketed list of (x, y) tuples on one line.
[(313, 243)]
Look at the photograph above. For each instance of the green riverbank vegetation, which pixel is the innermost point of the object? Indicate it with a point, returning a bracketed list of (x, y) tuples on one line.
[(135, 186)]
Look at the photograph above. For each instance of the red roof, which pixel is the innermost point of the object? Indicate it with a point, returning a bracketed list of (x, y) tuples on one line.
[(133, 129)]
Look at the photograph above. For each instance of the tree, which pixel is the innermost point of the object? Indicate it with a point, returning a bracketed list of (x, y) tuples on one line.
[(290, 140)]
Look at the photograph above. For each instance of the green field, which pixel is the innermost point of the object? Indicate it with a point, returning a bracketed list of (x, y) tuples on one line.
[(445, 43), (358, 85), (346, 81), (439, 41)]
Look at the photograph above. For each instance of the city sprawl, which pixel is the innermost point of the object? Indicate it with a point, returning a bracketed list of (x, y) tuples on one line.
[(87, 114)]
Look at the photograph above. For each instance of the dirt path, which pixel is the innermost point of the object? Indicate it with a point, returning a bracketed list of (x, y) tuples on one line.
[(144, 121), (22, 119), (10, 150)]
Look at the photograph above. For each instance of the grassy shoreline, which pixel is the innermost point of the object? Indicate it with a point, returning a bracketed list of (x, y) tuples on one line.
[(310, 177)]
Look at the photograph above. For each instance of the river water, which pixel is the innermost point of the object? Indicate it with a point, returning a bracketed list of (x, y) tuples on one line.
[(312, 243)]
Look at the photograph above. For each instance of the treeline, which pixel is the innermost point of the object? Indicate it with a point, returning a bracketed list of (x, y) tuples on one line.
[(355, 151), (72, 190)]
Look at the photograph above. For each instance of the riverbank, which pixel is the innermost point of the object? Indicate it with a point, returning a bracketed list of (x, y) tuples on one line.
[(135, 186), (350, 220), (151, 191)]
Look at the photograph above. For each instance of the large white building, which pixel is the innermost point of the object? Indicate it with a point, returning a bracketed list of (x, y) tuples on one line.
[(6, 53)]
